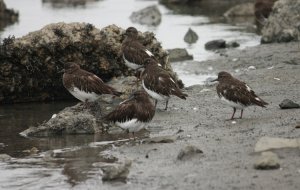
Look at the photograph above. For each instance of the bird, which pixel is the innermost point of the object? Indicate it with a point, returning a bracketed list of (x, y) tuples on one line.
[(133, 114), (236, 93), (158, 83), (133, 52), (83, 85)]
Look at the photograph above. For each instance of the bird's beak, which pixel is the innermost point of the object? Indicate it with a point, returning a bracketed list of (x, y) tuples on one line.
[(142, 66), (215, 80)]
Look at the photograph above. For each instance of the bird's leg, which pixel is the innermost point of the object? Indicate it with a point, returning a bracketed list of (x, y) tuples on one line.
[(166, 104), (241, 114), (234, 110), (155, 103)]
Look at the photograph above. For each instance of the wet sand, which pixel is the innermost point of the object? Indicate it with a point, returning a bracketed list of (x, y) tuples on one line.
[(228, 158)]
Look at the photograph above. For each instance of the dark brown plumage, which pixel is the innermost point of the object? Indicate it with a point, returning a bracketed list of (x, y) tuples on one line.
[(236, 93), (83, 85), (134, 113), (134, 53), (158, 83)]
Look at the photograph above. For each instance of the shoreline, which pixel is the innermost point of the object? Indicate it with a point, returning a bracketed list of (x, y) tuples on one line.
[(228, 157)]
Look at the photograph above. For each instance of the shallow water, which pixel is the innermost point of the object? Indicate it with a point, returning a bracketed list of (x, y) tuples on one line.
[(32, 171)]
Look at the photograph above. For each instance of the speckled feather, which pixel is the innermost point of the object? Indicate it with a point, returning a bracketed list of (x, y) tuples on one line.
[(133, 51), (156, 79), (85, 81), (238, 92), (139, 107)]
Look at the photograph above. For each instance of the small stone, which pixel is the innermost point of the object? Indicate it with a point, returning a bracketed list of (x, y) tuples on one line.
[(2, 145), (251, 67), (232, 45), (235, 59), (215, 44), (114, 171), (288, 104), (108, 156), (189, 152), (149, 16), (161, 139), (5, 157), (267, 161), (191, 36), (297, 127), (179, 54)]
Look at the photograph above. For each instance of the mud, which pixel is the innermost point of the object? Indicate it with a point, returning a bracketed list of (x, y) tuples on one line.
[(228, 147)]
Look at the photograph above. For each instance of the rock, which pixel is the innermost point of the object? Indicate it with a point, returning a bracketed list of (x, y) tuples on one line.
[(7, 16), (263, 8), (114, 171), (246, 9), (67, 3), (190, 37), (150, 16), (161, 139), (5, 157), (215, 44), (189, 152), (73, 120), (268, 143), (179, 54), (267, 161), (108, 156), (31, 69), (277, 29), (232, 44), (288, 104), (33, 150)]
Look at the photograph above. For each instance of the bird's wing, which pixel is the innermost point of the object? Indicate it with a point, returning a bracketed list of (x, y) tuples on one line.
[(239, 92), (162, 83), (136, 53), (89, 82), (123, 112)]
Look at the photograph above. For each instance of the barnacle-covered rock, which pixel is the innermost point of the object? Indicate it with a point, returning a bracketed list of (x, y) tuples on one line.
[(30, 68)]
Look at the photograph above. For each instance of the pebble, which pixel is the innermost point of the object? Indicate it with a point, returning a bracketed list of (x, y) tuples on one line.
[(288, 104), (267, 161), (191, 36), (251, 67), (189, 152)]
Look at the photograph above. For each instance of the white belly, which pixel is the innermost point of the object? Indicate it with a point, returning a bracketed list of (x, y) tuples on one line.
[(130, 64), (84, 96), (233, 104), (155, 95), (132, 125)]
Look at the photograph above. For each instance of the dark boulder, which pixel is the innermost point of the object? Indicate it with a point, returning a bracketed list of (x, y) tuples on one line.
[(215, 44), (283, 23), (7, 16), (30, 67)]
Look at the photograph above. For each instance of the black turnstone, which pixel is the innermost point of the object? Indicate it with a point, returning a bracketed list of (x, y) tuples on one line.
[(134, 113), (134, 53), (83, 85), (158, 83), (236, 93)]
